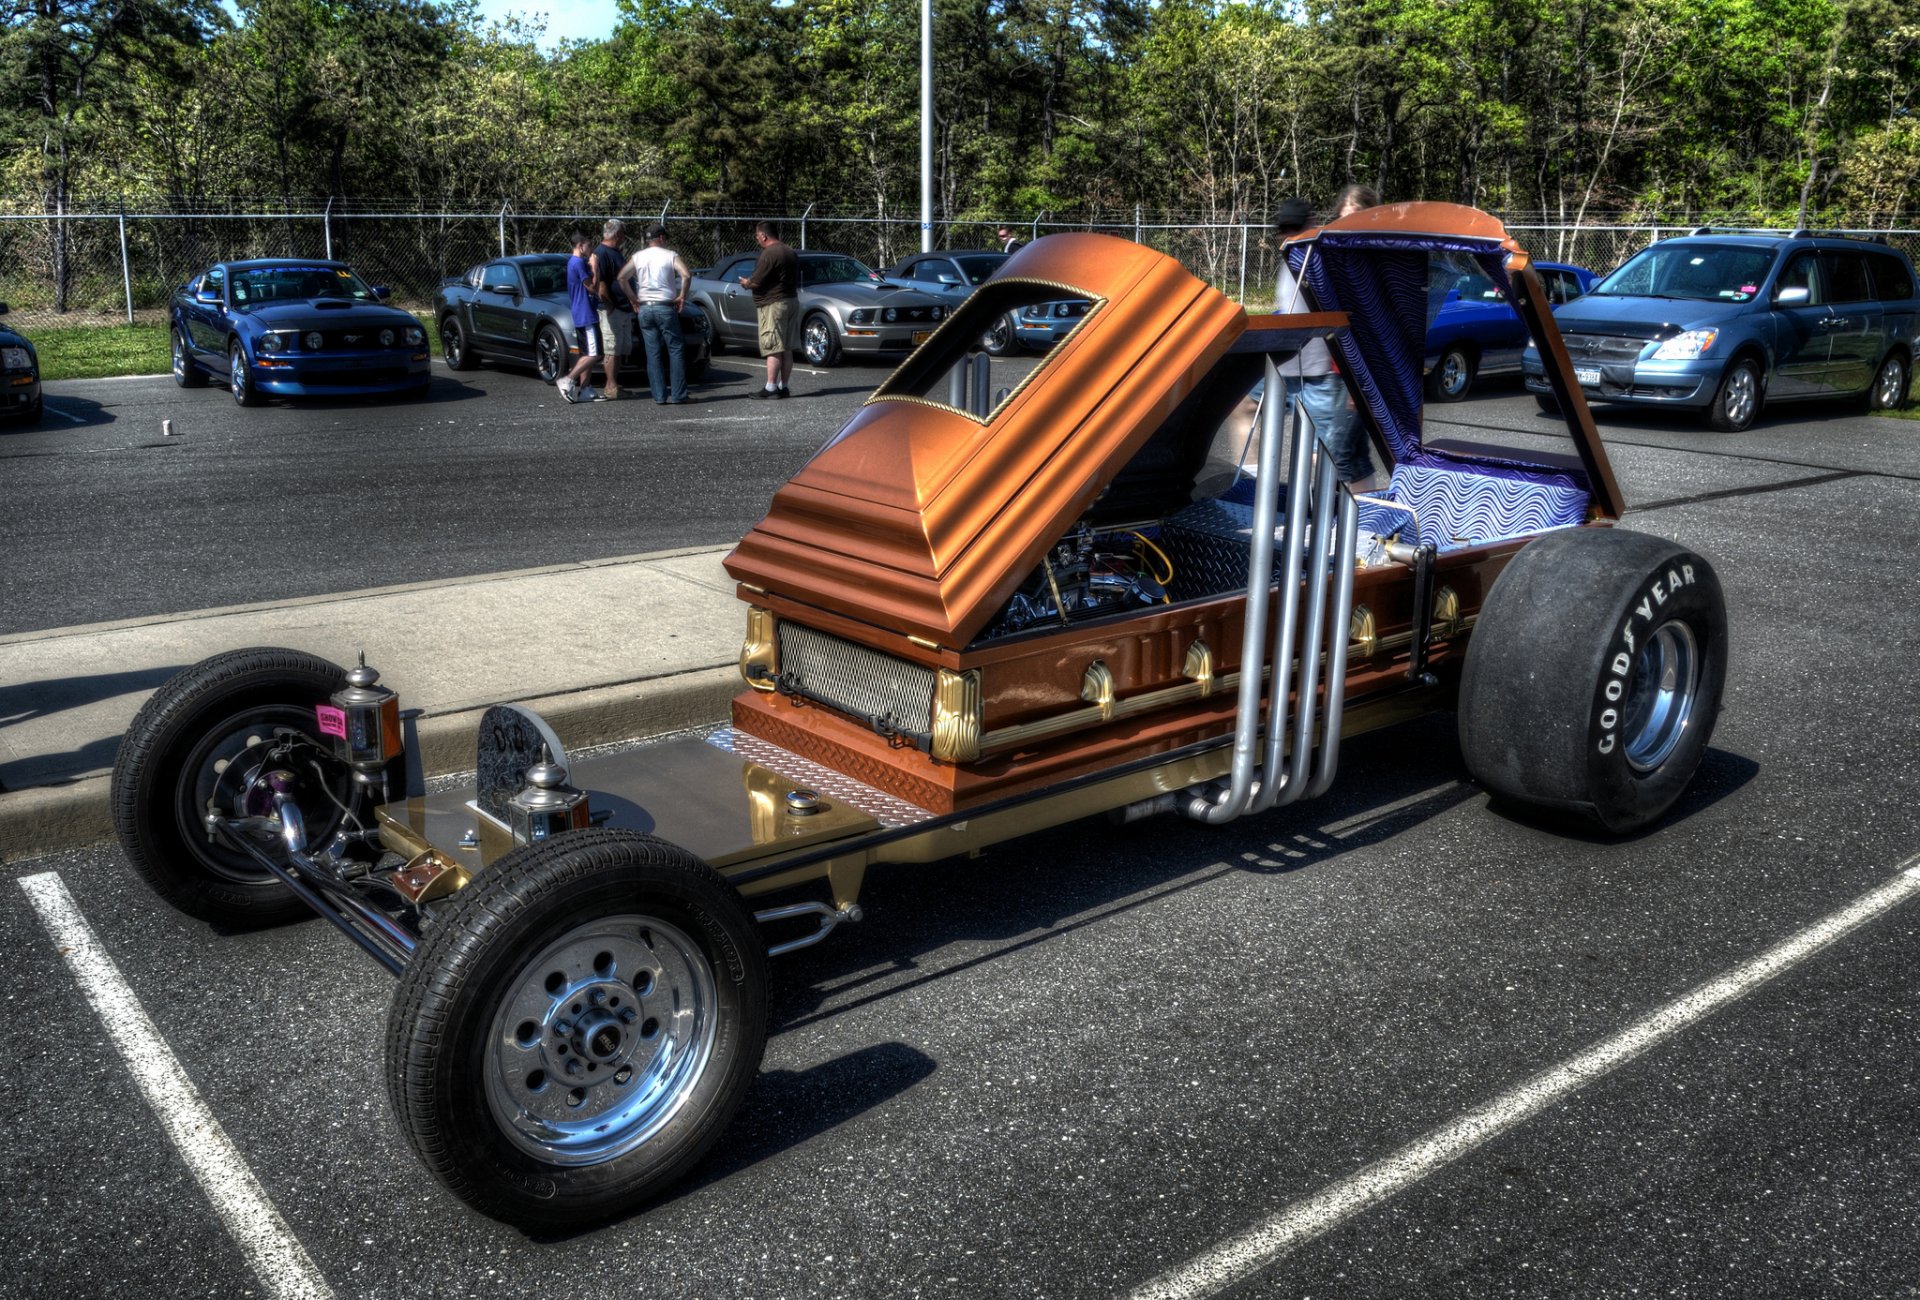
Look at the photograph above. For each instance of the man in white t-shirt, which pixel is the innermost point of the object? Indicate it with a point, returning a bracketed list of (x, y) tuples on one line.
[(656, 278)]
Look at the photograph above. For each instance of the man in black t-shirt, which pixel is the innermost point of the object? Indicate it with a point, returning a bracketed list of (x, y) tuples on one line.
[(616, 308), (776, 298)]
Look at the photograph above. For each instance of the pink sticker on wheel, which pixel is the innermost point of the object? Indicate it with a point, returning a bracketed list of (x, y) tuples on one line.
[(333, 722)]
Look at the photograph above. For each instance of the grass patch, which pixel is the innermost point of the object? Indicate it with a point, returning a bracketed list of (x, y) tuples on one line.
[(103, 351), (1911, 411), (97, 351)]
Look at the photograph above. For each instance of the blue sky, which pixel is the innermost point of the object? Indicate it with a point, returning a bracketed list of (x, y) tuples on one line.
[(576, 18)]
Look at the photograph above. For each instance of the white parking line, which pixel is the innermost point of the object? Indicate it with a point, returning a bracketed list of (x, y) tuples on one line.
[(276, 1255), (65, 415), (1301, 1222)]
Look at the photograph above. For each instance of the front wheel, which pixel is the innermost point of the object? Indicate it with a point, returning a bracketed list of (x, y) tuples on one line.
[(1594, 675), (1000, 340), (1889, 391), (185, 373), (818, 343), (714, 346), (550, 354), (193, 750), (240, 376), (1452, 377), (454, 346), (1548, 403), (1737, 401), (578, 1028)]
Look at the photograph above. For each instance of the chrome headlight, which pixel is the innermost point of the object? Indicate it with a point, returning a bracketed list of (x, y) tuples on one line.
[(271, 342), (386, 338), (312, 340), (862, 317), (416, 335), (1689, 346), (936, 313), (892, 314)]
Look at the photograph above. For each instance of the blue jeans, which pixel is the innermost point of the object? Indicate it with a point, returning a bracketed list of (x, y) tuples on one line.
[(1324, 399), (666, 350)]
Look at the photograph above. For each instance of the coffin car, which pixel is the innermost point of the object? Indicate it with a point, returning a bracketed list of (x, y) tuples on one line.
[(995, 601)]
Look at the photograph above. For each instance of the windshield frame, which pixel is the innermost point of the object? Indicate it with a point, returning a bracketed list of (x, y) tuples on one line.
[(810, 281)]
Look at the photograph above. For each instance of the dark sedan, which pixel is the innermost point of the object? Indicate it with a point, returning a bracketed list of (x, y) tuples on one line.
[(19, 376), (956, 273), (294, 327), (515, 310)]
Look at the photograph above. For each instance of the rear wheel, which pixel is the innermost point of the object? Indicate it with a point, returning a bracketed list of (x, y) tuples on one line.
[(1737, 401), (185, 372), (1452, 377), (1594, 675), (1889, 391), (193, 749), (550, 354), (578, 1028)]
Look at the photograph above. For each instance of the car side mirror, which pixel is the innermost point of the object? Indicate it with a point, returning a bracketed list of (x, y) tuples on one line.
[(950, 279), (382, 292), (1796, 296), (502, 288), (210, 296)]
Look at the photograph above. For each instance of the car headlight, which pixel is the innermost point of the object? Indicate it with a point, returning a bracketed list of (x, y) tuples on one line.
[(416, 335), (312, 340), (386, 338), (1689, 346), (892, 314), (936, 313), (1064, 311), (864, 316), (14, 358), (273, 342)]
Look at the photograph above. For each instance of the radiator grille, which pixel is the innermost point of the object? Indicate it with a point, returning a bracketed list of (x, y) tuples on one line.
[(889, 694)]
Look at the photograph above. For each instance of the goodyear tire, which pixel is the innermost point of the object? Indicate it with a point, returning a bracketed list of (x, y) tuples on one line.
[(1594, 676), (578, 1028), (182, 751)]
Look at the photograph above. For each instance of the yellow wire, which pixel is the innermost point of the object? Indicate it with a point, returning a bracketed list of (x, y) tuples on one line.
[(1143, 540)]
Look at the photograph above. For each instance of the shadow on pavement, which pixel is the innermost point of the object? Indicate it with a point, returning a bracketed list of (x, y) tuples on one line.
[(24, 701), (63, 412)]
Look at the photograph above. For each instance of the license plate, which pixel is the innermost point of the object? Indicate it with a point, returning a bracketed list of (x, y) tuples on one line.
[(921, 336), (1587, 376)]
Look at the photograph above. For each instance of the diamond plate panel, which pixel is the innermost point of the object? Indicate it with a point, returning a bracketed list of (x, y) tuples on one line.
[(877, 804)]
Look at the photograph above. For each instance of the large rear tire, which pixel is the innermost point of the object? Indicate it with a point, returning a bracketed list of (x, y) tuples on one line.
[(577, 1028), (189, 746), (1594, 676)]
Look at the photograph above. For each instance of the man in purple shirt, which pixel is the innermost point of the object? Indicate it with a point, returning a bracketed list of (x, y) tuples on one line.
[(586, 321)]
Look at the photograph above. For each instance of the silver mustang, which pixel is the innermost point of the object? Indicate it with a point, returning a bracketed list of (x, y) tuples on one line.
[(846, 308)]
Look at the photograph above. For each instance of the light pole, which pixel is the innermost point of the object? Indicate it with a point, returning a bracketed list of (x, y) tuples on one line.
[(926, 126)]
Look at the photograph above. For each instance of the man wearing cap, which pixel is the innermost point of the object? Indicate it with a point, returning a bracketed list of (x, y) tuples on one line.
[(656, 279), (1323, 394)]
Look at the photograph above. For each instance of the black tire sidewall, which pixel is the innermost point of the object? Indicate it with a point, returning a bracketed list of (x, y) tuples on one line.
[(560, 365), (447, 998), (1438, 389), (1538, 725), (1717, 413), (1873, 393)]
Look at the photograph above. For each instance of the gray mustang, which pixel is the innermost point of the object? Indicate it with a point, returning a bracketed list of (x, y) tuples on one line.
[(846, 308)]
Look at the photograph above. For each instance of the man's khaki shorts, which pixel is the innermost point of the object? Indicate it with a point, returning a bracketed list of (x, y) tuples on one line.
[(776, 327), (616, 333)]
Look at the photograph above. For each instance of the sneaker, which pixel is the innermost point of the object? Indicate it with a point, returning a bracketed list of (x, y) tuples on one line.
[(568, 392), (604, 397), (782, 391), (762, 394)]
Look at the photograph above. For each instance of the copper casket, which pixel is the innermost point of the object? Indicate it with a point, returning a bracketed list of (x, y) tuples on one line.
[(989, 582)]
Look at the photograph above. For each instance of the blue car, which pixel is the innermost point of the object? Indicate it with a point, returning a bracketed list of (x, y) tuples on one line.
[(954, 274), (294, 327), (1722, 324), (1476, 331), (19, 376)]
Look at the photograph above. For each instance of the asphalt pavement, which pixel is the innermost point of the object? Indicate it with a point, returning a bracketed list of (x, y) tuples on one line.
[(1098, 1061)]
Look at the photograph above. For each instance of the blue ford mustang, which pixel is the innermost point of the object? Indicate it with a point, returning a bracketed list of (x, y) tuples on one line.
[(294, 327)]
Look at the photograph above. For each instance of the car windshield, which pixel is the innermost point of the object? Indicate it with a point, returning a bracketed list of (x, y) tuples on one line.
[(256, 284), (977, 269), (1704, 272), (835, 270), (545, 276)]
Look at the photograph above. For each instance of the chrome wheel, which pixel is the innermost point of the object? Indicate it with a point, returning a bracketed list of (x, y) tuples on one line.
[(451, 345), (179, 357), (601, 1040), (1739, 397), (1453, 376), (998, 341), (1660, 695), (816, 341), (1889, 386), (550, 353), (237, 373)]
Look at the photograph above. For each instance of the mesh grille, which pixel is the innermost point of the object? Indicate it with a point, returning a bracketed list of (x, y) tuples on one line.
[(889, 693), (1608, 346)]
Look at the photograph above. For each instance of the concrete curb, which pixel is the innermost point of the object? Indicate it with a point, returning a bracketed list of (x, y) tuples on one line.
[(45, 819)]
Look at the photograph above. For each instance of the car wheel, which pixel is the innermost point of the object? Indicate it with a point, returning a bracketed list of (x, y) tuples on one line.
[(1737, 401), (549, 354), (240, 376), (1593, 676), (1889, 391), (454, 346), (577, 1028), (36, 411), (1452, 376), (193, 748), (714, 346), (818, 342), (1548, 403), (1000, 340), (185, 372)]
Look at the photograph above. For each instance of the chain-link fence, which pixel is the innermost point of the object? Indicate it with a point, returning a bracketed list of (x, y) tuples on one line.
[(106, 268)]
